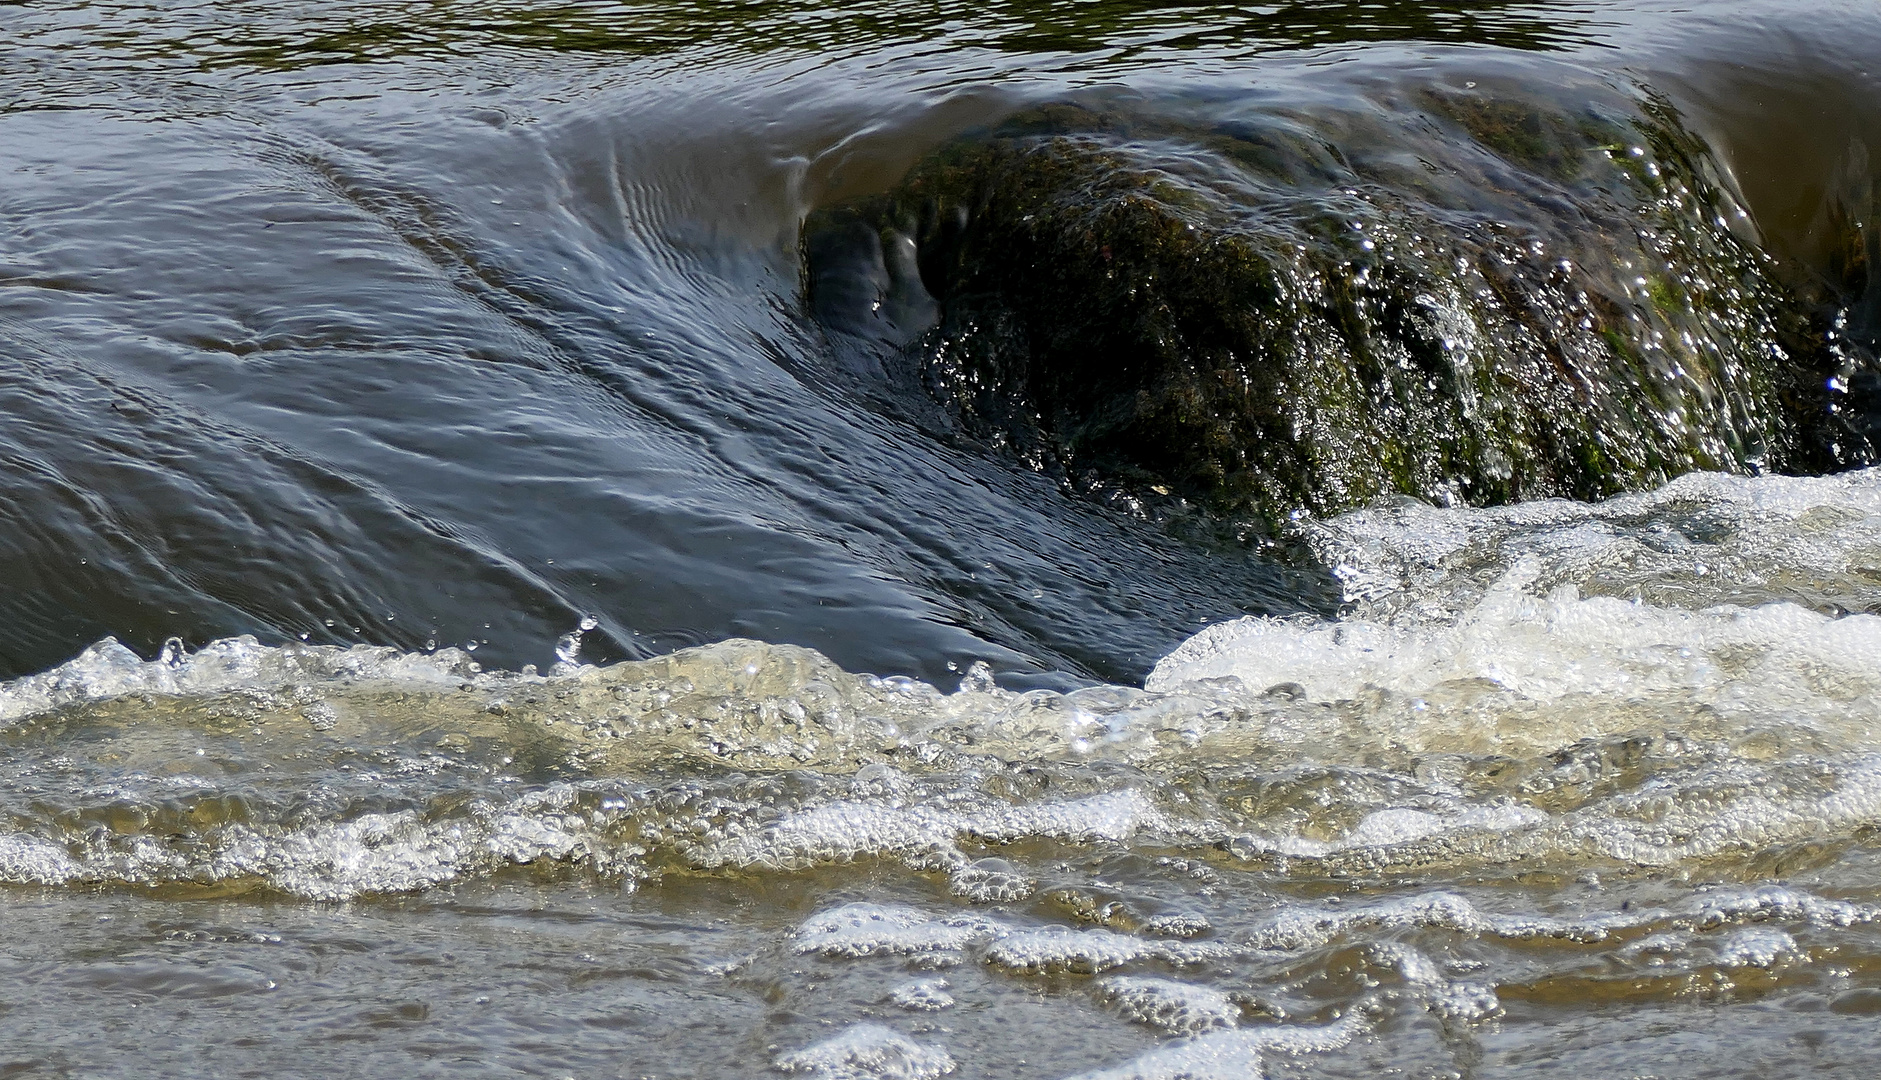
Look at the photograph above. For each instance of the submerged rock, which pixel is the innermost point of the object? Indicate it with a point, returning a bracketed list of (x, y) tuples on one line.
[(1478, 300)]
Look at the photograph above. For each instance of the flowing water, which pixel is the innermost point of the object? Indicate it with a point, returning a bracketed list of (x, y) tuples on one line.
[(511, 564)]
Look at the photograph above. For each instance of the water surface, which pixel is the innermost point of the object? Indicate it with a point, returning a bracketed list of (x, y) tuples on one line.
[(441, 550)]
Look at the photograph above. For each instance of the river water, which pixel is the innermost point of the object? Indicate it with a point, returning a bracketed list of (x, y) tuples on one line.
[(472, 601)]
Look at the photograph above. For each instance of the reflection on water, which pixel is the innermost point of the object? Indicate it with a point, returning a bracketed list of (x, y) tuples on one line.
[(268, 37)]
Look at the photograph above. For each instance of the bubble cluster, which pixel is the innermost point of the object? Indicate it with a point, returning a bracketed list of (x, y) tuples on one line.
[(868, 1052), (1496, 779)]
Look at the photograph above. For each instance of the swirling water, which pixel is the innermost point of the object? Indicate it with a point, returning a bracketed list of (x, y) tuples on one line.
[(442, 551)]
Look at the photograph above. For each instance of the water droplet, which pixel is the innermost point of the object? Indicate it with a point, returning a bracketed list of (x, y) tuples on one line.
[(978, 679), (568, 647)]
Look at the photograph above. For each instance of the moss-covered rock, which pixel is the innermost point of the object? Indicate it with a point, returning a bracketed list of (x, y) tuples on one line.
[(1495, 301)]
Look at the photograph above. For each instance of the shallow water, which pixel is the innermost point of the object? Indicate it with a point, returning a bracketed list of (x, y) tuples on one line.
[(1508, 813), (442, 547)]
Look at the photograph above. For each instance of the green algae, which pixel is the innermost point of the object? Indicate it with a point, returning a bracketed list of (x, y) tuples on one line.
[(1260, 322)]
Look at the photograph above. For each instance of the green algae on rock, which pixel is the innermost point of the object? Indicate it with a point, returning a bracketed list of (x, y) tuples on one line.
[(1494, 301)]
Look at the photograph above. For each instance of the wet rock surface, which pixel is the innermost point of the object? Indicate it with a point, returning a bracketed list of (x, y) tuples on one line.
[(1457, 294)]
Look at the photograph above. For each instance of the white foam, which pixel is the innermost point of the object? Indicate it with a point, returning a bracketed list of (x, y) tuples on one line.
[(29, 860), (847, 830), (1295, 928), (1460, 1000), (1704, 536), (1504, 630), (1743, 810), (1088, 952), (1176, 1007), (1657, 949), (1694, 814), (1779, 902), (881, 929), (1547, 648), (1178, 924), (373, 853), (1756, 723), (108, 670), (1300, 927), (386, 853), (990, 881), (1403, 825), (1234, 1054), (1758, 946), (923, 995), (869, 1052)]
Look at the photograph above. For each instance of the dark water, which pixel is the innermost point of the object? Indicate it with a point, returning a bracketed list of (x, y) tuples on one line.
[(419, 343), (359, 324)]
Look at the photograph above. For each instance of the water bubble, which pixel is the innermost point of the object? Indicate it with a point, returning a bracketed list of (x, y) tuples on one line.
[(978, 679), (923, 995), (1176, 1007), (321, 716), (568, 646), (869, 1052)]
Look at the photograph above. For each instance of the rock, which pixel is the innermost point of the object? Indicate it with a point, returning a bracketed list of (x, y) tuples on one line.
[(1492, 301)]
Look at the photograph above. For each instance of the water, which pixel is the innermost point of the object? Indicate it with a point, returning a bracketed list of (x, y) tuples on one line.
[(452, 502)]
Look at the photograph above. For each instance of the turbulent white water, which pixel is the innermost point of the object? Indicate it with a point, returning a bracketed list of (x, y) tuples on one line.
[(1546, 743), (1538, 682), (482, 325)]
